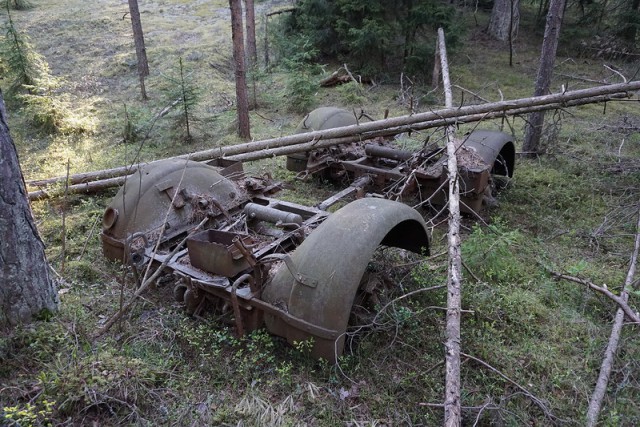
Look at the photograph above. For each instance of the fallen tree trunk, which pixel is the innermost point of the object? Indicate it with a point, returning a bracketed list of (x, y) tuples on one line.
[(393, 126), (307, 144), (117, 176), (86, 188)]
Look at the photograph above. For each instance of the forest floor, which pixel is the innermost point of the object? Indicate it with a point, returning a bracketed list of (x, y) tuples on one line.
[(572, 210)]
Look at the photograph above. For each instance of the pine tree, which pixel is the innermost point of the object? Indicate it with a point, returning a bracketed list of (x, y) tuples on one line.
[(22, 63)]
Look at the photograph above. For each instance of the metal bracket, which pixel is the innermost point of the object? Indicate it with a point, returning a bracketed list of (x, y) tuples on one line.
[(298, 277)]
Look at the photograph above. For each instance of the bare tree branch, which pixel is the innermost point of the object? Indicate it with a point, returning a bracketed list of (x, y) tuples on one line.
[(632, 315), (539, 402)]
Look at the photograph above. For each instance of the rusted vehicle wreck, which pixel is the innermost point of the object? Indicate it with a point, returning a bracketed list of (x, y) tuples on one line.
[(485, 159), (294, 269)]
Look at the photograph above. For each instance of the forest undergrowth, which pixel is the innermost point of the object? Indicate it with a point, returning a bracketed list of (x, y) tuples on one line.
[(533, 344)]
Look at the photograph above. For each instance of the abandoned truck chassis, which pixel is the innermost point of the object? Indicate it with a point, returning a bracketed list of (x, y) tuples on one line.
[(379, 166), (295, 269)]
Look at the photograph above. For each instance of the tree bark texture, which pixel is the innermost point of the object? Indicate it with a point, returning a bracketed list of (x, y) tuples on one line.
[(607, 363), (505, 19), (26, 288), (250, 25), (141, 51), (533, 130), (452, 404), (242, 100), (87, 181)]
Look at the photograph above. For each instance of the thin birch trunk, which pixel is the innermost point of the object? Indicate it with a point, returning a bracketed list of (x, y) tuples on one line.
[(452, 409)]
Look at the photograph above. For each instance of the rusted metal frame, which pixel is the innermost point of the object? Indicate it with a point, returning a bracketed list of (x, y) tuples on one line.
[(297, 275), (176, 266), (296, 322), (413, 175), (387, 152), (355, 187), (285, 242), (218, 291), (418, 173), (433, 194), (309, 211), (253, 302), (355, 165), (234, 300), (315, 217), (255, 283), (279, 217)]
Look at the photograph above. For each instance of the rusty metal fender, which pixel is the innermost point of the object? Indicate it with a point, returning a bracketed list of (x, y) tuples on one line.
[(326, 118), (318, 283), (145, 201), (495, 148), (319, 119)]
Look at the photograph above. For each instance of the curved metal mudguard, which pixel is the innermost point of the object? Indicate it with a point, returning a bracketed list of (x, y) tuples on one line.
[(318, 283), (144, 202), (496, 149), (326, 118), (319, 119)]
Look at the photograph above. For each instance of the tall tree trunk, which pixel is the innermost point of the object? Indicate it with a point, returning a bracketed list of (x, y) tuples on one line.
[(251, 49), (533, 130), (505, 19), (452, 403), (141, 51), (242, 100), (26, 289), (250, 25)]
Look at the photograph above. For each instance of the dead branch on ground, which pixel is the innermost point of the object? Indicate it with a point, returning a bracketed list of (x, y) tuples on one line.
[(607, 363), (539, 402), (341, 76), (628, 311), (145, 284)]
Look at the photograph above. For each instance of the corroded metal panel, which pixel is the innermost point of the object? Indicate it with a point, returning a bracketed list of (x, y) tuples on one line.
[(320, 282)]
